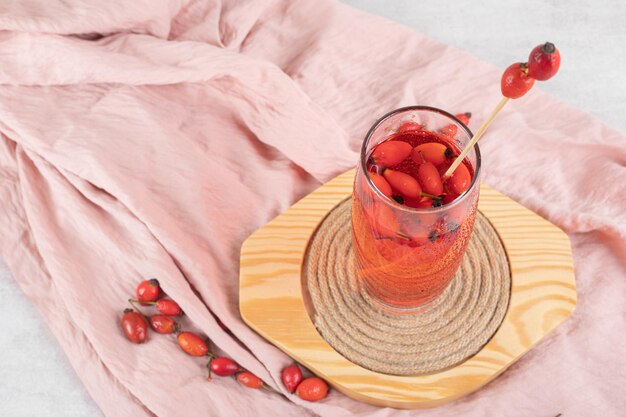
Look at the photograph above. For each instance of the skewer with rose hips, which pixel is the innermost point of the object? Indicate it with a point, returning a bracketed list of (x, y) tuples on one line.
[(543, 63)]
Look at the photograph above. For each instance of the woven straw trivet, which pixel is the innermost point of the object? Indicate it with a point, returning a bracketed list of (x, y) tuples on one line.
[(450, 329)]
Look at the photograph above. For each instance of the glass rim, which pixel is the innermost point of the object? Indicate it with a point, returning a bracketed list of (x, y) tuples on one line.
[(391, 201)]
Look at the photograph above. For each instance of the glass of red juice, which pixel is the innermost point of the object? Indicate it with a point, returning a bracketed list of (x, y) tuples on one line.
[(411, 226)]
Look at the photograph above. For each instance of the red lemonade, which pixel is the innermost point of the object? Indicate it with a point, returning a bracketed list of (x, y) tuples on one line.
[(410, 226)]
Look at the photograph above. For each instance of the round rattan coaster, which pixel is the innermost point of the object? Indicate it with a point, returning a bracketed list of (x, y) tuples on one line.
[(450, 329)]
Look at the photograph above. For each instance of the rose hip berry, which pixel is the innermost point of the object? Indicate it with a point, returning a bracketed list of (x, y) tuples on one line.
[(312, 389), (515, 81), (544, 62), (403, 183), (388, 154), (432, 152), (135, 326), (449, 198), (429, 178), (451, 129), (381, 183), (460, 180), (148, 290), (291, 377), (163, 324), (192, 344), (409, 126), (168, 307), (223, 366), (249, 380)]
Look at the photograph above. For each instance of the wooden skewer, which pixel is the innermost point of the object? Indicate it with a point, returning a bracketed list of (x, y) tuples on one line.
[(475, 139)]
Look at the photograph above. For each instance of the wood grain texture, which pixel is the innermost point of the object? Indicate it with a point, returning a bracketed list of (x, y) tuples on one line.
[(271, 302)]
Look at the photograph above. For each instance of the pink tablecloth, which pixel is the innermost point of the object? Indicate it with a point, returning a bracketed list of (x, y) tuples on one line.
[(148, 138)]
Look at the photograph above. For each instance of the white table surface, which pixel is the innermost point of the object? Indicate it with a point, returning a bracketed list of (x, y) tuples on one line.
[(36, 378)]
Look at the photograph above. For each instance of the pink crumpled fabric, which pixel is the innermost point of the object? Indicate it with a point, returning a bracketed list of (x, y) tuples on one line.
[(149, 138)]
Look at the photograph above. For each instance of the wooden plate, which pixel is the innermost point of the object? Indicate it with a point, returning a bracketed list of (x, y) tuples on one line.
[(543, 295)]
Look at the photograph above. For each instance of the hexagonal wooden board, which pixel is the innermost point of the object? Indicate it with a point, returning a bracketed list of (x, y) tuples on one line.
[(271, 302)]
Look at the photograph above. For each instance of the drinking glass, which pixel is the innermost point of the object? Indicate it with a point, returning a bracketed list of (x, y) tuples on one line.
[(404, 256)]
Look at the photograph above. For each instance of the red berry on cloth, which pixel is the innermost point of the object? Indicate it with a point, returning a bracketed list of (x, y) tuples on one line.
[(291, 377), (249, 380), (192, 344), (148, 290), (135, 326), (223, 366), (168, 307), (163, 324), (312, 389)]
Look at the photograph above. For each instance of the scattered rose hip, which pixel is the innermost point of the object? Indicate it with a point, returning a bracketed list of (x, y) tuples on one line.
[(192, 344), (135, 326), (249, 380), (168, 307), (222, 366), (164, 305), (312, 389), (291, 377), (163, 324), (147, 291)]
